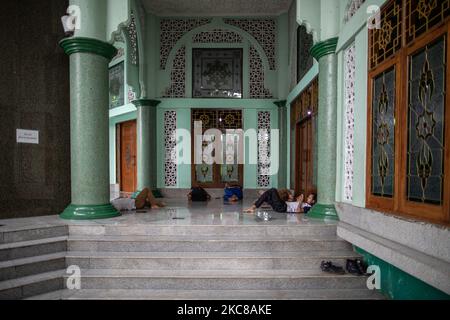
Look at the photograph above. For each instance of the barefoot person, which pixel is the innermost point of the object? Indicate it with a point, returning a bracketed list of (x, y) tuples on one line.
[(143, 199), (273, 198)]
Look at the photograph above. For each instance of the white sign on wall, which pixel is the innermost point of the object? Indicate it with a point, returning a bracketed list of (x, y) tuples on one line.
[(27, 136)]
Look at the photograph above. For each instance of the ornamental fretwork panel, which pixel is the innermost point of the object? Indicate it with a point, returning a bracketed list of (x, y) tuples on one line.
[(177, 87), (264, 145), (422, 15), (349, 123), (402, 22), (352, 7), (386, 41), (305, 60), (170, 143), (264, 31), (172, 30)]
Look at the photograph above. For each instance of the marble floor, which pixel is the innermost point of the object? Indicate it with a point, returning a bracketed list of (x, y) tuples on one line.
[(177, 212)]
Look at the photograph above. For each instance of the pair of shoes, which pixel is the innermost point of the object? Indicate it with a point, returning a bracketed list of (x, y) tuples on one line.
[(329, 267), (356, 267)]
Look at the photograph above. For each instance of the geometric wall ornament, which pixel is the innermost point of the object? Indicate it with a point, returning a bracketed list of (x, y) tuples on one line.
[(349, 120), (172, 30), (352, 7), (170, 159), (257, 77), (177, 87), (132, 34), (264, 31), (264, 145), (218, 36)]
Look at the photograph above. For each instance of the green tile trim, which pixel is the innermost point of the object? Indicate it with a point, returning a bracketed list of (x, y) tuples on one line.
[(324, 48), (324, 212), (399, 285), (89, 212), (146, 103), (281, 104), (88, 45)]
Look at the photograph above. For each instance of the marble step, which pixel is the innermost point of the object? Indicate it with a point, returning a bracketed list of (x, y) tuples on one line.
[(32, 248), (34, 285), (14, 269), (190, 295), (217, 280), (204, 244), (12, 234), (208, 260), (310, 230)]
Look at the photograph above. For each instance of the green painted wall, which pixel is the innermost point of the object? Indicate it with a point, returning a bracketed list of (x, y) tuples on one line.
[(354, 31), (156, 81), (399, 285), (163, 76), (183, 108)]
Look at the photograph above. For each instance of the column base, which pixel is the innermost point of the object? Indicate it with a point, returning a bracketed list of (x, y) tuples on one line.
[(324, 212), (86, 212)]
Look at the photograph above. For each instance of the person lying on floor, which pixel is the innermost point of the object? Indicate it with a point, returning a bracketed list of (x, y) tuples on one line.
[(300, 206), (198, 194), (276, 199), (143, 199), (233, 193)]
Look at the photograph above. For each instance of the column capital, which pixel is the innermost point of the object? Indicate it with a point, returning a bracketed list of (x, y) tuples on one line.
[(280, 104), (324, 48), (88, 45), (146, 103)]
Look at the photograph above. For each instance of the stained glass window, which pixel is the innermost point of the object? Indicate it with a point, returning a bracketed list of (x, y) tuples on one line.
[(383, 134), (116, 86), (426, 112), (217, 73)]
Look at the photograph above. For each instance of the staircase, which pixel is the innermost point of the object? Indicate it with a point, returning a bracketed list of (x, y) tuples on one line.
[(188, 262), (32, 261)]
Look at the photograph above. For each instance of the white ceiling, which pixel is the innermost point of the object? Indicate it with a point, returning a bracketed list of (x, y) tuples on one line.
[(216, 7)]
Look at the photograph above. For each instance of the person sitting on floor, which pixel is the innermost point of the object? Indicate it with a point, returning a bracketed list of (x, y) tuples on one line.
[(198, 194), (276, 199), (233, 193), (300, 206), (143, 199)]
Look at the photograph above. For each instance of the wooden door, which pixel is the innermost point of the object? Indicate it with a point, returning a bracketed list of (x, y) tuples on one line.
[(218, 175), (304, 157), (128, 154), (304, 119)]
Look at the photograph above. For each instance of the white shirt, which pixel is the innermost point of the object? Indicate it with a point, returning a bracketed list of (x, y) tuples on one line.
[(292, 207), (124, 204)]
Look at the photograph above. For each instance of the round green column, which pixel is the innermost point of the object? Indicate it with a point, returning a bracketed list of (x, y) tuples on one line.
[(89, 120), (324, 52), (146, 142)]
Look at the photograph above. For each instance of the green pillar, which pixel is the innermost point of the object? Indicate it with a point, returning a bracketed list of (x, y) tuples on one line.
[(282, 116), (89, 120), (146, 142), (324, 52)]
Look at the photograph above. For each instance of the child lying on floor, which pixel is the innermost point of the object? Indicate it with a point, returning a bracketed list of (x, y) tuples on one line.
[(300, 206)]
